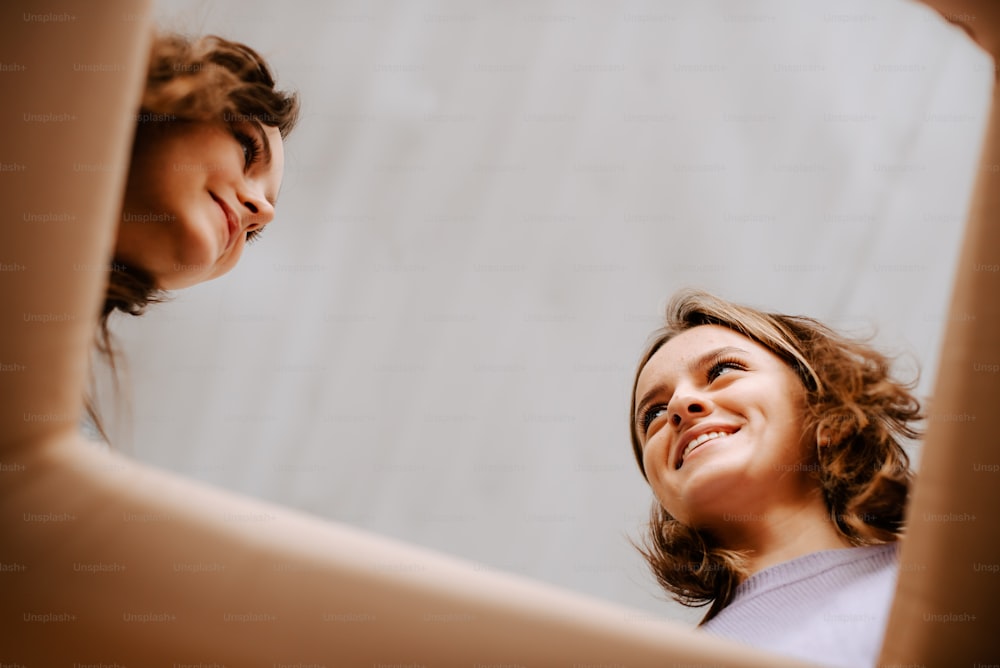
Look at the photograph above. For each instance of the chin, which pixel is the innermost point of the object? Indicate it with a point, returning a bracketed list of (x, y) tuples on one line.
[(180, 280), (194, 271), (707, 498)]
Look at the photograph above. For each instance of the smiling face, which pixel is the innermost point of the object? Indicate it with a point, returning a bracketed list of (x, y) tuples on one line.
[(196, 194), (719, 418)]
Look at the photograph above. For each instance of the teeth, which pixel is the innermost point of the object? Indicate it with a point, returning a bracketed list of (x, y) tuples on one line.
[(701, 439)]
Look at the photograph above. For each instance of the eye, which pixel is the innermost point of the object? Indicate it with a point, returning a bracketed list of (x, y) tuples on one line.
[(253, 235), (651, 414), (251, 147), (723, 366)]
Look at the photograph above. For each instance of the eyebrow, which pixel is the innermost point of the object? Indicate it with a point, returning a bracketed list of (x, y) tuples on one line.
[(700, 363)]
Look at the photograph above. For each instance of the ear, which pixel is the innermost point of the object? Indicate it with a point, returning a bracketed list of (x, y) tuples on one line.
[(837, 425), (823, 437)]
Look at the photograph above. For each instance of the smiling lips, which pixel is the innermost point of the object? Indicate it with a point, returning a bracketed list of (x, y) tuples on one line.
[(231, 223), (702, 438)]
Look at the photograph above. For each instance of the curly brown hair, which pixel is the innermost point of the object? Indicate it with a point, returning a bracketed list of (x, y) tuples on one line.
[(205, 79), (857, 412)]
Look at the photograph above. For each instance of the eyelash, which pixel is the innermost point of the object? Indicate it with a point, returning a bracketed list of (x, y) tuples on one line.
[(650, 415), (710, 375), (251, 147), (724, 363)]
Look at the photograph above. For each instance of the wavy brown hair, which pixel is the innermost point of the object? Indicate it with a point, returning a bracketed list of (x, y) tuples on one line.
[(205, 79), (857, 412)]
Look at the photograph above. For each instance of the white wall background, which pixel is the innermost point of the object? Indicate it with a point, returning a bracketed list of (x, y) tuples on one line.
[(487, 205)]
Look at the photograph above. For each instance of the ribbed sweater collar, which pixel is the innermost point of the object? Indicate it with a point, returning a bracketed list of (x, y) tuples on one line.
[(824, 567)]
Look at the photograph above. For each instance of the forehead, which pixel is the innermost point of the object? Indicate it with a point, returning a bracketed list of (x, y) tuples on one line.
[(679, 353)]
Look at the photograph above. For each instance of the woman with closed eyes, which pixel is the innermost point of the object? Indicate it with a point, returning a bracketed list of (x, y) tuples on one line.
[(207, 161), (206, 166), (772, 446)]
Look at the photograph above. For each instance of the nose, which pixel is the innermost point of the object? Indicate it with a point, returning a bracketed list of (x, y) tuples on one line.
[(259, 211), (685, 407)]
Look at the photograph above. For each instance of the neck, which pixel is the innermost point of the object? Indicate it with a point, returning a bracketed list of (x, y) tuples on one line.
[(781, 533)]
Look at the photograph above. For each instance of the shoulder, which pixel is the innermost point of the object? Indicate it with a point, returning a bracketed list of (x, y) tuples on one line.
[(829, 606)]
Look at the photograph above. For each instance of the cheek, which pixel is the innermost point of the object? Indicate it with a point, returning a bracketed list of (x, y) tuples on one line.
[(653, 456), (199, 157), (793, 412), (654, 463), (668, 499)]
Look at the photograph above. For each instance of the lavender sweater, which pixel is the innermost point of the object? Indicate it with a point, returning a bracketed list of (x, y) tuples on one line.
[(827, 607)]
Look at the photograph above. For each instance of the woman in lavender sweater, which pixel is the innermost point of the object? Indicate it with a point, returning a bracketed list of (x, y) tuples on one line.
[(772, 445)]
